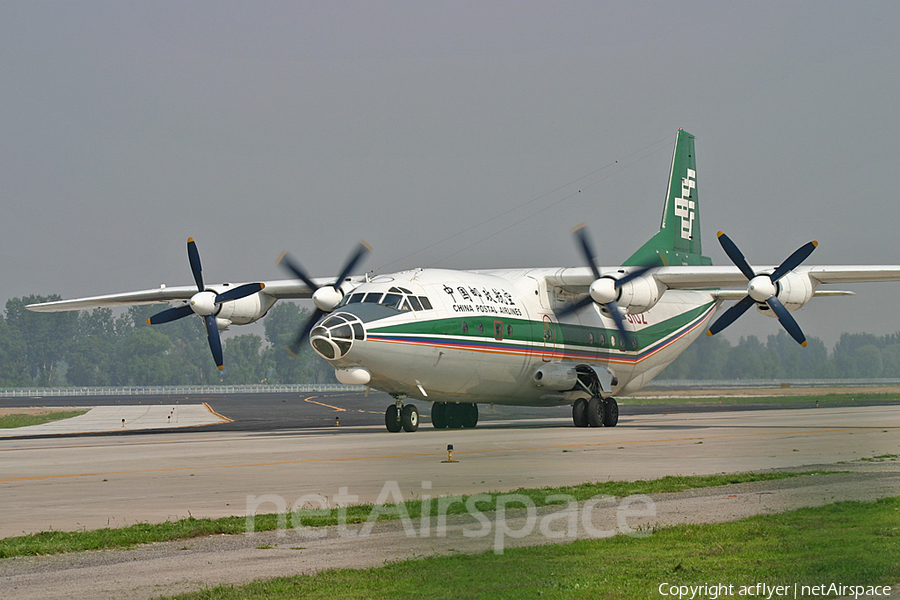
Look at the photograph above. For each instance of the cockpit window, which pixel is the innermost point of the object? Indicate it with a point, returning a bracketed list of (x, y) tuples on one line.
[(392, 300), (396, 297)]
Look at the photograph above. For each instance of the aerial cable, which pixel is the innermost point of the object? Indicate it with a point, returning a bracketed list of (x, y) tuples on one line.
[(524, 204), (554, 204)]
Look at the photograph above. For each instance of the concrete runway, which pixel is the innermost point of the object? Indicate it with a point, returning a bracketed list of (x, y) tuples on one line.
[(71, 482)]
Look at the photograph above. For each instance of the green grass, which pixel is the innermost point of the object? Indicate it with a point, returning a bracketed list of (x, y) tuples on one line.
[(849, 543), (797, 399), (24, 420), (55, 542)]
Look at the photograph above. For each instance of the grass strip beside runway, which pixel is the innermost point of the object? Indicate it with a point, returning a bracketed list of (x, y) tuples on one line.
[(26, 419), (848, 543), (789, 397), (55, 542)]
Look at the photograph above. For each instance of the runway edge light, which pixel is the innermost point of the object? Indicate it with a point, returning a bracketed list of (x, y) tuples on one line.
[(449, 455)]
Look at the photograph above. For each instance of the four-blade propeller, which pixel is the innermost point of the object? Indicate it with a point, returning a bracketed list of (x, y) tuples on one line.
[(325, 297), (205, 303), (762, 288), (604, 290)]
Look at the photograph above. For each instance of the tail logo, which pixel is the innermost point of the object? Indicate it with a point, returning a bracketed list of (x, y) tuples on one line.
[(685, 208)]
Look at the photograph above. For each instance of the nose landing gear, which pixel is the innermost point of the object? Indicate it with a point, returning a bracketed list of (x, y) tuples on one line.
[(399, 416)]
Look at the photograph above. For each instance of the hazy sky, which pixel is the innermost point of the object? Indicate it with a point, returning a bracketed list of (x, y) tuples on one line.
[(126, 127)]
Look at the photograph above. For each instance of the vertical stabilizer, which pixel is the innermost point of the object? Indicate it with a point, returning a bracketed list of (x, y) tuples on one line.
[(678, 239)]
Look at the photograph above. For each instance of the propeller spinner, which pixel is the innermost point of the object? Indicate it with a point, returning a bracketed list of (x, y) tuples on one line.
[(762, 288), (325, 297), (205, 303), (604, 290)]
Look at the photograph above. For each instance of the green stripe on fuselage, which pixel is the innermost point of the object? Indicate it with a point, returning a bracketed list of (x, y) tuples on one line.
[(532, 332)]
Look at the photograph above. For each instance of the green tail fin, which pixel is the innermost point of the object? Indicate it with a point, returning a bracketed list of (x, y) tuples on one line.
[(678, 239)]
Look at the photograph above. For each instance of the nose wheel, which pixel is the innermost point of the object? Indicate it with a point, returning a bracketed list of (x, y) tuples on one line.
[(398, 416)]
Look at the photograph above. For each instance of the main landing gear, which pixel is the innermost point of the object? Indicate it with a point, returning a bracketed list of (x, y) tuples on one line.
[(595, 412), (399, 416), (453, 416)]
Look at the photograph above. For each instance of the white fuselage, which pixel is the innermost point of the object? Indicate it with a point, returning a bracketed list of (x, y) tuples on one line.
[(486, 335)]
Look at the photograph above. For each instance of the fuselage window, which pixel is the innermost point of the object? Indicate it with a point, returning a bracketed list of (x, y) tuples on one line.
[(465, 327), (602, 340), (414, 302), (498, 330), (612, 341), (481, 329), (509, 331), (426, 303), (591, 339)]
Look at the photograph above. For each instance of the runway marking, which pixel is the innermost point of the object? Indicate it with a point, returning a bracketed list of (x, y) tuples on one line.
[(210, 409), (423, 454), (311, 401)]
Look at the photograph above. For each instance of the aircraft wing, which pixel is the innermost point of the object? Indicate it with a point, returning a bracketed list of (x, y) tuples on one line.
[(578, 280), (278, 289)]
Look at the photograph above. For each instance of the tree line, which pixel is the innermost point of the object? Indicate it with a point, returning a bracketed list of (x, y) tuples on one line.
[(100, 348), (854, 356)]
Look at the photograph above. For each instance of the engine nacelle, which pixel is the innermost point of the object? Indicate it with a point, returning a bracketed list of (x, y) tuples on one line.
[(556, 377), (794, 291), (245, 310), (639, 295)]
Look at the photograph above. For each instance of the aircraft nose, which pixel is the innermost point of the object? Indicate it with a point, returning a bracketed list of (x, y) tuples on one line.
[(333, 337)]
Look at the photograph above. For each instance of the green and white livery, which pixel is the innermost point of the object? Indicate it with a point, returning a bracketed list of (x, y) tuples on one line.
[(574, 336)]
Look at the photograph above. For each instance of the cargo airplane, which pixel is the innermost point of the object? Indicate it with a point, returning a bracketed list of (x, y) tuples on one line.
[(574, 336)]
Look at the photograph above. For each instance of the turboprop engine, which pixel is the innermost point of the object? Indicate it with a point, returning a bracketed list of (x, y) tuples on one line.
[(794, 291), (635, 295)]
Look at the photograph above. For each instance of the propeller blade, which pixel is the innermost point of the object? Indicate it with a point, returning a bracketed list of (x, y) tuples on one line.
[(793, 261), (631, 276), (613, 309), (194, 258), (787, 321), (298, 272), (587, 249), (172, 314), (361, 251), (574, 307), (304, 333), (730, 315), (735, 255), (215, 342), (242, 291)]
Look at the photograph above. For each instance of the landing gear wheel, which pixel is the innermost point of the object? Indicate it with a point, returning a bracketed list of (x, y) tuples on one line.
[(610, 412), (469, 415), (409, 417), (579, 413), (454, 416), (439, 415), (392, 419), (595, 411)]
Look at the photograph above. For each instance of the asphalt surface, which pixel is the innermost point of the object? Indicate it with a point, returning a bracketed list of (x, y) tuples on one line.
[(288, 411)]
